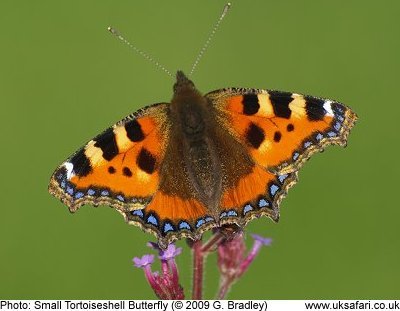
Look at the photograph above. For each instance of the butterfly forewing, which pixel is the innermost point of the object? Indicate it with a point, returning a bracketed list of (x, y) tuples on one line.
[(281, 130), (119, 167)]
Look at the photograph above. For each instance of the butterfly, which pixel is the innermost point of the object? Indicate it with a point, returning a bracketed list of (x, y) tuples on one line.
[(199, 162)]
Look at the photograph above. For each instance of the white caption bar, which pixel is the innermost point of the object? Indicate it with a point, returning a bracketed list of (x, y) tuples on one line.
[(177, 305)]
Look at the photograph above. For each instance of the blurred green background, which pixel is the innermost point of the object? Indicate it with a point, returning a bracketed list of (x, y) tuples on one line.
[(64, 79)]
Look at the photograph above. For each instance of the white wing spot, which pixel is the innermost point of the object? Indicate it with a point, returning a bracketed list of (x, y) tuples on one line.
[(328, 108), (69, 167)]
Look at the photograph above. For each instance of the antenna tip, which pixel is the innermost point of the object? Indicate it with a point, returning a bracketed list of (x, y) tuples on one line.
[(113, 31), (226, 8)]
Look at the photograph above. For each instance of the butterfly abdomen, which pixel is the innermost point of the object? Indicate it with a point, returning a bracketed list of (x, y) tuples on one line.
[(192, 131)]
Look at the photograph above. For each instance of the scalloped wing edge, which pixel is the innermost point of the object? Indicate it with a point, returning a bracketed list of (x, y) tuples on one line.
[(164, 240), (74, 204), (341, 140), (240, 220)]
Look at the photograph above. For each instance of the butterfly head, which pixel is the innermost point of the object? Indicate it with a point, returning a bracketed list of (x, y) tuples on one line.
[(183, 84)]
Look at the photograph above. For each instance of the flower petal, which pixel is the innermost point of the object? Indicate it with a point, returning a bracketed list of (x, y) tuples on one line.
[(171, 252), (144, 261), (264, 241)]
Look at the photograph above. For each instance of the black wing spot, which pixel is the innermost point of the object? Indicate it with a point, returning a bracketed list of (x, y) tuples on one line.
[(250, 104), (314, 108), (255, 135), (107, 143), (280, 103), (277, 136), (290, 127), (134, 131), (111, 169), (81, 163), (127, 172), (146, 161)]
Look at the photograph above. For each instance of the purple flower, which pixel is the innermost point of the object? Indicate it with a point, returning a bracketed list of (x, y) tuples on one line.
[(262, 240), (232, 261), (144, 261), (258, 242), (171, 252), (166, 284)]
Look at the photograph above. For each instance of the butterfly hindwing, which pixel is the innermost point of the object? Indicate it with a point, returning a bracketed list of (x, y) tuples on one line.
[(119, 167), (256, 194), (170, 218), (281, 130)]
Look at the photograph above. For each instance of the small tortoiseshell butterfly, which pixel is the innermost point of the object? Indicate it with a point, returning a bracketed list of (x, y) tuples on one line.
[(200, 162), (178, 169)]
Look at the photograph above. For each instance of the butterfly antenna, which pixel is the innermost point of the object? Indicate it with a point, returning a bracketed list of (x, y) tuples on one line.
[(212, 33), (137, 50)]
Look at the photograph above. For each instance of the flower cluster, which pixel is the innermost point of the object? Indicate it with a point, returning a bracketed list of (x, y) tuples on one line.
[(232, 263), (165, 284)]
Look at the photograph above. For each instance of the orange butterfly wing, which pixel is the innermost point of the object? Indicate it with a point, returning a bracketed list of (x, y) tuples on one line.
[(118, 167), (280, 131), (256, 194), (121, 168)]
